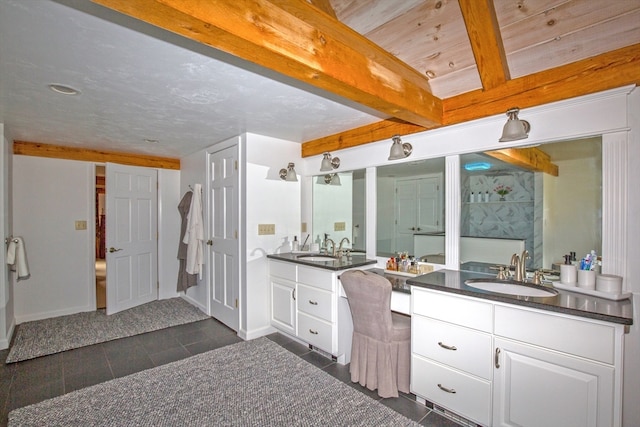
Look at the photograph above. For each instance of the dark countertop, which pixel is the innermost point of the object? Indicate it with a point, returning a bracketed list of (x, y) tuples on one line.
[(565, 302), (335, 264)]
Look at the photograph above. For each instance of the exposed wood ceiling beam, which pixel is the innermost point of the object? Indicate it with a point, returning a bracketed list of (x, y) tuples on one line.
[(607, 71), (532, 159), (325, 6), (359, 136), (486, 41), (99, 156), (295, 40)]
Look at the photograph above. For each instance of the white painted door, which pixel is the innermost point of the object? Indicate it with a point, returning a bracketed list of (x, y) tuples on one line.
[(132, 236), (223, 243)]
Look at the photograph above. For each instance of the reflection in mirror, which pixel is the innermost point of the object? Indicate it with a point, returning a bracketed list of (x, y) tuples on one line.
[(545, 199), (410, 209), (339, 209)]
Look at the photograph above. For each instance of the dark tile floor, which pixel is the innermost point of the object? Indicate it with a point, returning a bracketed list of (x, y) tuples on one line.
[(31, 381)]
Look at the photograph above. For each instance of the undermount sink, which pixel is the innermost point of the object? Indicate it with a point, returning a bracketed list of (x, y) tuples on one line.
[(316, 258), (511, 288)]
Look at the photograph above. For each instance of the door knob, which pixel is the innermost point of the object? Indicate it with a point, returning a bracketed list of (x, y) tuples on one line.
[(112, 249), (210, 242)]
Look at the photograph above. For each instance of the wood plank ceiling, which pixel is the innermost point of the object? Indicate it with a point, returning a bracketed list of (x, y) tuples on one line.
[(423, 63)]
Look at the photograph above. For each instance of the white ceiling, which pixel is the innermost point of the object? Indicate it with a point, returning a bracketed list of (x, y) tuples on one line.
[(140, 83)]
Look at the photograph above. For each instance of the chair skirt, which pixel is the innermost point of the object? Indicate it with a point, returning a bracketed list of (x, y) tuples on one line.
[(381, 365)]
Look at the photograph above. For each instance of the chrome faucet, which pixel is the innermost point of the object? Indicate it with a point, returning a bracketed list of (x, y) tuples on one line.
[(333, 246), (340, 246), (519, 262)]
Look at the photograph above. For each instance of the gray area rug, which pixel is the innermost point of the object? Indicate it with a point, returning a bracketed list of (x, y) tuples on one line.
[(49, 336), (252, 383)]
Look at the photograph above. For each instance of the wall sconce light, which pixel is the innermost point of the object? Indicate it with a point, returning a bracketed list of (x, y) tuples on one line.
[(399, 150), (328, 164), (288, 174), (332, 179), (515, 128)]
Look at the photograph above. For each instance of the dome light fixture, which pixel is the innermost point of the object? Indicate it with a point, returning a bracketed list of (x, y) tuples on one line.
[(399, 150), (63, 89), (515, 128), (328, 164), (289, 174)]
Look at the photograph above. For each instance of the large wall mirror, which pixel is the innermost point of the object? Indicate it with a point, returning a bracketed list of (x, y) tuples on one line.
[(410, 204), (339, 209), (545, 199)]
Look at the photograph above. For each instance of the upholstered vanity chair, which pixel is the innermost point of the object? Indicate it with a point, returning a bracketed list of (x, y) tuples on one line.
[(381, 347)]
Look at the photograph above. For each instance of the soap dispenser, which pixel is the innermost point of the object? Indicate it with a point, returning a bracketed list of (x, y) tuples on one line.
[(295, 245)]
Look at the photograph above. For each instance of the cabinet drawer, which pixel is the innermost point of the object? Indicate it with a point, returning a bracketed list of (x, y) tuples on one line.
[(453, 309), (467, 396), (578, 337), (316, 332), (319, 278), (462, 348), (316, 302), (286, 270)]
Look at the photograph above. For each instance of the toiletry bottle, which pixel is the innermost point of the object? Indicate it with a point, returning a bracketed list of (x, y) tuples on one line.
[(486, 196), (296, 245), (473, 197)]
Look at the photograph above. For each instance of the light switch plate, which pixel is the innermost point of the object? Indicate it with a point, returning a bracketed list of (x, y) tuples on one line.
[(303, 227), (339, 226), (265, 229), (81, 225)]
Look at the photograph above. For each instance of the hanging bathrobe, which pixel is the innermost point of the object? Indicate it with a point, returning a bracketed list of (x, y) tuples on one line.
[(185, 280), (194, 235)]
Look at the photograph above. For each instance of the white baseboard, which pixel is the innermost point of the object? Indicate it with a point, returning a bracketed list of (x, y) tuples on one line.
[(4, 343), (193, 302), (49, 314), (256, 333)]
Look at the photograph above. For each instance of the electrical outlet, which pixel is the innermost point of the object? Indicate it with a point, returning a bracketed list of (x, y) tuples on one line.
[(264, 229), (81, 225), (339, 226)]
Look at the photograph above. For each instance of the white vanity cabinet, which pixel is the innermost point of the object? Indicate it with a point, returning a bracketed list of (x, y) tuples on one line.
[(555, 370), (305, 304), (500, 364), (451, 346)]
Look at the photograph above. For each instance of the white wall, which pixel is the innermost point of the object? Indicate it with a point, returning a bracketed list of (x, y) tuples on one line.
[(169, 232), (51, 194), (268, 200)]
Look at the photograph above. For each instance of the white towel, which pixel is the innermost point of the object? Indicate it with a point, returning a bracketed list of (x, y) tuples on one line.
[(194, 235), (17, 257)]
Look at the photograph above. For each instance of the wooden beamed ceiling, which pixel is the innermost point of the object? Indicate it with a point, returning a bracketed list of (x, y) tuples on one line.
[(303, 40)]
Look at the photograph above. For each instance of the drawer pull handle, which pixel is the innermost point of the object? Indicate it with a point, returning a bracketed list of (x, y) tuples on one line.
[(447, 347), (313, 332), (448, 390), (313, 302), (294, 294), (496, 359)]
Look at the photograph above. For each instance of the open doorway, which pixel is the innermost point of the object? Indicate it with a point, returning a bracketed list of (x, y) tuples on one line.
[(100, 220)]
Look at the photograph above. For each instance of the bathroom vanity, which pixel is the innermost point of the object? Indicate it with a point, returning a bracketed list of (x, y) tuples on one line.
[(305, 302), (501, 360)]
